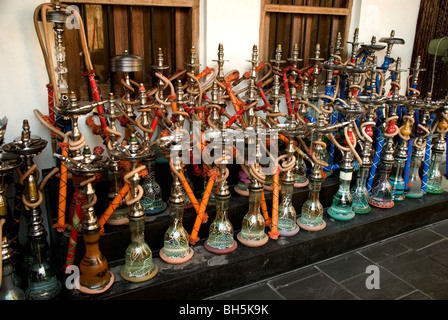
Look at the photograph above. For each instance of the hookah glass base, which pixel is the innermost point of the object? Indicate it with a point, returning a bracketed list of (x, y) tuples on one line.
[(149, 276), (311, 218), (220, 251), (176, 260), (96, 291), (308, 227), (252, 243), (341, 214)]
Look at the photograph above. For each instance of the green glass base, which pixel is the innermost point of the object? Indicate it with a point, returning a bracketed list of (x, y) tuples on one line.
[(362, 210), (414, 195), (154, 211), (341, 215), (434, 191)]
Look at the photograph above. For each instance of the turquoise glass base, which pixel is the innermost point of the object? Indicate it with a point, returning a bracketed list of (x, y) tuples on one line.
[(341, 215)]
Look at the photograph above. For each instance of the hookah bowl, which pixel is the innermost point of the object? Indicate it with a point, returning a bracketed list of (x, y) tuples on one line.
[(42, 281), (95, 276), (139, 266)]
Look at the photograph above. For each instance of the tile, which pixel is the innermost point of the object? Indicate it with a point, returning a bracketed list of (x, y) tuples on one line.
[(419, 239), (290, 277), (345, 266), (315, 287), (437, 252), (259, 291), (384, 250), (440, 228), (389, 286), (416, 295), (421, 272)]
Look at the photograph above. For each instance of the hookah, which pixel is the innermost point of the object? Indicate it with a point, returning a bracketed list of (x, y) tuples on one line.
[(435, 177), (311, 218), (152, 198), (390, 42), (59, 14), (418, 152), (287, 217), (176, 249), (299, 170), (341, 207), (252, 232), (8, 289), (381, 192), (118, 215), (95, 276), (220, 239), (42, 281), (139, 266), (359, 192), (402, 161)]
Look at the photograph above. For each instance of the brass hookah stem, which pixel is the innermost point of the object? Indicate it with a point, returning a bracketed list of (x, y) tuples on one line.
[(252, 91)]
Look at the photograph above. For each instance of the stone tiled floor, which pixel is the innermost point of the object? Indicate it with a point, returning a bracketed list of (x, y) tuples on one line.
[(411, 266)]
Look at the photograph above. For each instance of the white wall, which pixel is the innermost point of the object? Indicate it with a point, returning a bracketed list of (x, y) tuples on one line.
[(234, 23), (379, 17)]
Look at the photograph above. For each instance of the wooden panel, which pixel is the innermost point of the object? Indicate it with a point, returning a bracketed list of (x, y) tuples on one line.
[(183, 41), (265, 21), (120, 29), (74, 62), (138, 38), (432, 24), (307, 10), (158, 3)]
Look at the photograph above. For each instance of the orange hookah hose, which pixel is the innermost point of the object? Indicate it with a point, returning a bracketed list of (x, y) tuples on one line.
[(189, 192), (200, 216), (60, 225), (62, 202), (273, 234), (236, 104), (264, 210), (113, 205)]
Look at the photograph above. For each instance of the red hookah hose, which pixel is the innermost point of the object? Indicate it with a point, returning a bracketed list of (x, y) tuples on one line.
[(73, 240)]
